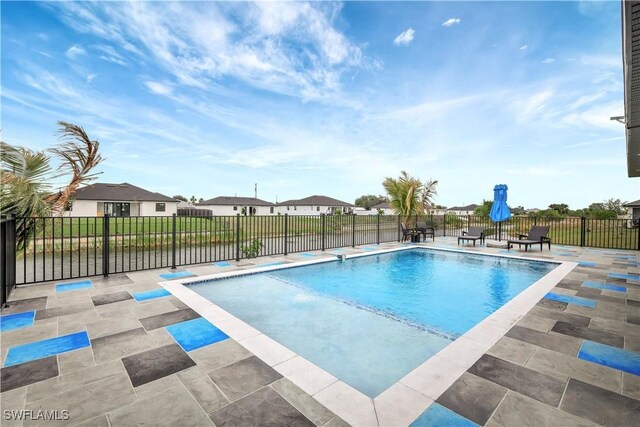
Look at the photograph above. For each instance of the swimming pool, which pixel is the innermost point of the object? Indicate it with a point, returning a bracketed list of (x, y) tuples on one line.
[(371, 320)]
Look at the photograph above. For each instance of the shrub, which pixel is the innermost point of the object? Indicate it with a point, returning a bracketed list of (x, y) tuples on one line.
[(252, 250)]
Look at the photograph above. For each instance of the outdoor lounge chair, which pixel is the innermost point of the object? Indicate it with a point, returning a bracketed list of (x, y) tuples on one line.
[(537, 235), (474, 233), (408, 232), (421, 228)]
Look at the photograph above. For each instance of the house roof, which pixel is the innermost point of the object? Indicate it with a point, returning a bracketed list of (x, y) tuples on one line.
[(315, 201), (470, 207), (124, 192), (383, 205), (635, 204), (235, 201)]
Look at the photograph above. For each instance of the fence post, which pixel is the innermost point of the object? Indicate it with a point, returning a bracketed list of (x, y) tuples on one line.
[(353, 230), (173, 242), (105, 245), (500, 231), (444, 225), (399, 228), (323, 221), (7, 258), (4, 246), (378, 231), (237, 237), (583, 230), (286, 232)]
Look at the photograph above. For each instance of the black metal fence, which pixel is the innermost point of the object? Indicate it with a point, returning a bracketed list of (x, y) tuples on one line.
[(7, 258), (64, 248)]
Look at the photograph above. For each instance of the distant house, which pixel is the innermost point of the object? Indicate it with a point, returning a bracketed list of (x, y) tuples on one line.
[(463, 210), (314, 205), (432, 210), (120, 200), (634, 207), (383, 207), (228, 205)]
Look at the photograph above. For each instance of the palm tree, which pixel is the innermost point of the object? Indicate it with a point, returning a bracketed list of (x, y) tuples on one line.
[(408, 196), (27, 178)]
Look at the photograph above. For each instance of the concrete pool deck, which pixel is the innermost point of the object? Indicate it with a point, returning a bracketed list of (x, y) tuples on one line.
[(569, 360)]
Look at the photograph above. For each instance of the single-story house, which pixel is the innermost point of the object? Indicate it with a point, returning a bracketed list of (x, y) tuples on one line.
[(121, 200), (463, 210), (232, 205), (383, 208), (314, 205), (634, 207), (432, 210)]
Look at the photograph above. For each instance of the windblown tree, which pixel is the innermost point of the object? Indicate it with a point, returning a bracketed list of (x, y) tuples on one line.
[(408, 196), (29, 180)]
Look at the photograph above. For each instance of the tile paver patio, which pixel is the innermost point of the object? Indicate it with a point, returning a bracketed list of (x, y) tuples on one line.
[(548, 369)]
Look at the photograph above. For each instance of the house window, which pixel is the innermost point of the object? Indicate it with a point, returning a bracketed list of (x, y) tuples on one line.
[(235, 208), (295, 208), (161, 207), (68, 206), (318, 208), (271, 209), (287, 207), (120, 209)]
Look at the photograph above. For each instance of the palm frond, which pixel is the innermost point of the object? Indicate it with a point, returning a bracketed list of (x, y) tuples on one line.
[(79, 156)]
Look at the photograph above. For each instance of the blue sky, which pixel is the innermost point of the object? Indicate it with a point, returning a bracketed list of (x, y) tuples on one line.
[(208, 98)]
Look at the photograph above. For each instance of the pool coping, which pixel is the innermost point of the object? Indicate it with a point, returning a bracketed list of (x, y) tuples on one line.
[(402, 402)]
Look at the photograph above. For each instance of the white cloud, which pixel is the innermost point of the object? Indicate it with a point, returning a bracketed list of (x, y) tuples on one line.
[(548, 60), (451, 21), (404, 37), (109, 54), (75, 51), (90, 77), (524, 47), (289, 48), (159, 88)]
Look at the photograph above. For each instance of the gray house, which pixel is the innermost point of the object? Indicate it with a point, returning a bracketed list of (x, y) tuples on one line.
[(121, 200), (634, 207), (314, 205)]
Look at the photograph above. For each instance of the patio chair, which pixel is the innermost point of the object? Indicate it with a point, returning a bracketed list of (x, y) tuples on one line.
[(421, 228), (537, 236), (408, 232), (474, 233)]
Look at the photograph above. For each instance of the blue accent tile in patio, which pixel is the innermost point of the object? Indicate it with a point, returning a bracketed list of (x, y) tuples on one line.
[(587, 264), (146, 295), (369, 248), (616, 358), (567, 254), (270, 264), (337, 251), (223, 264), (437, 415), (596, 285), (74, 286), (10, 322), (624, 276), (176, 275), (196, 333), (569, 299), (45, 348)]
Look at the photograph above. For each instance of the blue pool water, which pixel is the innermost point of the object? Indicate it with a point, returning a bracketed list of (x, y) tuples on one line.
[(371, 320)]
